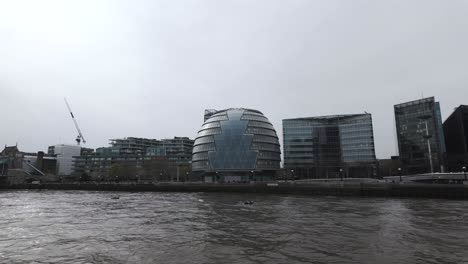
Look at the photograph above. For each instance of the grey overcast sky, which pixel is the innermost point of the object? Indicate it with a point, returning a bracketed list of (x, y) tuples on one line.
[(149, 68)]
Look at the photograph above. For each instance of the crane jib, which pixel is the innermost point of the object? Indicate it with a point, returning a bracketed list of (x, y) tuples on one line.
[(80, 135)]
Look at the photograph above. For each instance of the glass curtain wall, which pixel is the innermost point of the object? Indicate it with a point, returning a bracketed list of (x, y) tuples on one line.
[(237, 144), (420, 136), (329, 146), (456, 139)]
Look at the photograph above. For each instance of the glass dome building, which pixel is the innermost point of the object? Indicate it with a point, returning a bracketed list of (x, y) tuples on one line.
[(236, 145)]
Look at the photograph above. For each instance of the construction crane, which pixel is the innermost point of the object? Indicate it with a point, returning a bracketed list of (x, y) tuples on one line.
[(80, 137)]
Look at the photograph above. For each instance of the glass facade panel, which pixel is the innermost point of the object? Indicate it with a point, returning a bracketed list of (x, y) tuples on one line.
[(357, 140), (250, 112), (203, 140), (204, 147), (232, 146), (265, 146), (200, 165), (217, 118), (200, 156), (263, 138), (261, 131), (211, 125), (210, 131), (268, 155), (261, 124), (255, 118)]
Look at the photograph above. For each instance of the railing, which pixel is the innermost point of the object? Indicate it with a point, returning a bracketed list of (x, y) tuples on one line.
[(33, 169)]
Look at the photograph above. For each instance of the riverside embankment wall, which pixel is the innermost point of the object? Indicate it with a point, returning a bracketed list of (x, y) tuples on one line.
[(450, 191)]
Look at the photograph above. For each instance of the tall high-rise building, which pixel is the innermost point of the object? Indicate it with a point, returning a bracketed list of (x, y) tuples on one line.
[(420, 136), (329, 146), (456, 139)]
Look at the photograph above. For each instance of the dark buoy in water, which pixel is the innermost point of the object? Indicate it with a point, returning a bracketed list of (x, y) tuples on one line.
[(116, 197), (248, 202)]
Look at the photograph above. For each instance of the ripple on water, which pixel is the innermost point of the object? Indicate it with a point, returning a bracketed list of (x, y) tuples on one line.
[(91, 227)]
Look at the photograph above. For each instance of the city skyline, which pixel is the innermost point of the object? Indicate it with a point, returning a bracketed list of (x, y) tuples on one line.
[(139, 69), (70, 140)]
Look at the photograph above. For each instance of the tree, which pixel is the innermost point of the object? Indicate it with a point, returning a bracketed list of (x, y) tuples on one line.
[(122, 171), (184, 172), (85, 177), (158, 168)]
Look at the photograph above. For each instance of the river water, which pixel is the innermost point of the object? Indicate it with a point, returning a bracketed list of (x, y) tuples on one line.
[(92, 227)]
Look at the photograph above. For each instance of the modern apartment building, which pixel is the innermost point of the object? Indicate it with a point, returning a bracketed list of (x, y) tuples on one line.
[(177, 150), (136, 153), (133, 145)]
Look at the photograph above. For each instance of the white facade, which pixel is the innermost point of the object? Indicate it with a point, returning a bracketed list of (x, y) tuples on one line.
[(65, 154)]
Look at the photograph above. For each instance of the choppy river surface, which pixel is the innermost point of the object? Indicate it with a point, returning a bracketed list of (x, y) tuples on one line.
[(92, 227)]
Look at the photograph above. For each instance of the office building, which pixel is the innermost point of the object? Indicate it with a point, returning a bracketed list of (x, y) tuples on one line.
[(420, 136), (456, 139), (236, 145), (329, 146)]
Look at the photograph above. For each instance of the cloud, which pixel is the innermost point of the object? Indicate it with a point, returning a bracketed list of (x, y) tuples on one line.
[(150, 68)]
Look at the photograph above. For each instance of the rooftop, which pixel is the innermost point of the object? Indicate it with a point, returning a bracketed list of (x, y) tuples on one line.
[(326, 117), (416, 102)]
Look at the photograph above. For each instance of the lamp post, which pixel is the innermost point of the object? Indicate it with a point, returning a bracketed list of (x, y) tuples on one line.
[(428, 137), (216, 177), (399, 173), (464, 172), (341, 174)]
